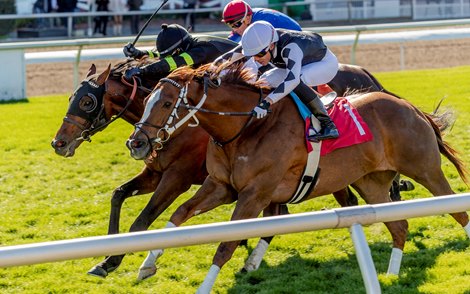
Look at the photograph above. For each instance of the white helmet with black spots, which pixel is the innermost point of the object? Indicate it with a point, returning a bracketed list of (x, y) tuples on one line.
[(258, 37)]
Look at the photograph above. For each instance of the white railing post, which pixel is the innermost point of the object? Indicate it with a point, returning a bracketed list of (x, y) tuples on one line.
[(364, 258), (12, 74), (402, 56), (76, 73)]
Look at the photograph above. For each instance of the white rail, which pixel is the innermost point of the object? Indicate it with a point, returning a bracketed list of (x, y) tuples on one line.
[(237, 230), (338, 40)]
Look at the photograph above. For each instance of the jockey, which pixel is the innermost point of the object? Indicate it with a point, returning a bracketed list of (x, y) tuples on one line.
[(238, 15), (300, 60), (176, 48)]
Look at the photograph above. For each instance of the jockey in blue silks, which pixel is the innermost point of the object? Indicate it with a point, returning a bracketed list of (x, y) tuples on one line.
[(238, 15)]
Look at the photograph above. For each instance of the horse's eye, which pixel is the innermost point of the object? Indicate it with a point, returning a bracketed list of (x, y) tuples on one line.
[(167, 104), (87, 104)]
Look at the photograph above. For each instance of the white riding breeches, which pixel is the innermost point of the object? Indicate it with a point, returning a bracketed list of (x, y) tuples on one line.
[(312, 74)]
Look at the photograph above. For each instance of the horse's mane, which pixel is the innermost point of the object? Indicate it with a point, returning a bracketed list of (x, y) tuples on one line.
[(120, 68), (233, 75)]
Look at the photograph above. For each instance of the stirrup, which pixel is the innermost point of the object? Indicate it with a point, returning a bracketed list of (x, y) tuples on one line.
[(332, 134), (328, 99)]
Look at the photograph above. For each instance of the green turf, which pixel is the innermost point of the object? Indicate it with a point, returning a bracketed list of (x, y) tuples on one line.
[(45, 197)]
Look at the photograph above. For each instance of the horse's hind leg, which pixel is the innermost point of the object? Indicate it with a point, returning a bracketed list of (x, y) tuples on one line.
[(344, 197), (374, 189), (434, 180)]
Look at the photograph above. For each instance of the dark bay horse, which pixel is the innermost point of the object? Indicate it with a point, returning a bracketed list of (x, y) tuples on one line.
[(162, 175), (103, 97), (262, 165)]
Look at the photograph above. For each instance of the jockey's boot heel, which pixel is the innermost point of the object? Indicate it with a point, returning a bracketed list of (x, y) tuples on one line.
[(314, 104)]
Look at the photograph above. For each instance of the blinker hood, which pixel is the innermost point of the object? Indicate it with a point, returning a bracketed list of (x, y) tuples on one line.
[(95, 92)]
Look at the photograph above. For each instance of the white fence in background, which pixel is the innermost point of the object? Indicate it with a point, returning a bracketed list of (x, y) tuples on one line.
[(14, 53), (353, 218), (316, 10)]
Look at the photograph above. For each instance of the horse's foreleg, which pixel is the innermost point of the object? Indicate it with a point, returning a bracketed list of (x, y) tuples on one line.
[(248, 206), (172, 185), (143, 183), (211, 195), (254, 260)]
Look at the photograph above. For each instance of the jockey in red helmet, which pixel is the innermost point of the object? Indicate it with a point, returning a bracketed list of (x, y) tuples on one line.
[(238, 15)]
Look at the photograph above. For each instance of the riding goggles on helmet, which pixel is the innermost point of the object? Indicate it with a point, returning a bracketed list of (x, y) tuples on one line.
[(238, 23), (263, 52)]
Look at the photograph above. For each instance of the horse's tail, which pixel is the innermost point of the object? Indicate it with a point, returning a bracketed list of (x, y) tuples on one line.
[(379, 85), (439, 123)]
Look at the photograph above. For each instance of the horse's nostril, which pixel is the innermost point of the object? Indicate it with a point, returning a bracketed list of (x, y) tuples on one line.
[(58, 143), (137, 144)]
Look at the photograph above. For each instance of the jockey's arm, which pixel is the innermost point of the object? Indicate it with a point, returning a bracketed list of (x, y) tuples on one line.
[(168, 64), (231, 56), (152, 53), (292, 56)]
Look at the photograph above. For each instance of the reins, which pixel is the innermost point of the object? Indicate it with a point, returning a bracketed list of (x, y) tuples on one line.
[(182, 97)]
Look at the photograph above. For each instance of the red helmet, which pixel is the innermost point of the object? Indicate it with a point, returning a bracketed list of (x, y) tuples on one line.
[(236, 10)]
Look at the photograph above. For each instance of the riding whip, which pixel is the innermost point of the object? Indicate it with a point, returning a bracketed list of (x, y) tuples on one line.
[(148, 21)]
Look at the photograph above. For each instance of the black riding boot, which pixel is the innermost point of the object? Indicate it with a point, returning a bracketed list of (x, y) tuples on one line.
[(313, 102)]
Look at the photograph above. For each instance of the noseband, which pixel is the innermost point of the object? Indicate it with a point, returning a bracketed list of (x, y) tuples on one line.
[(164, 133)]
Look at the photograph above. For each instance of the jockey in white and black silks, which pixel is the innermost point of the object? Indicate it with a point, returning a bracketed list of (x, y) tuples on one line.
[(300, 60), (175, 48)]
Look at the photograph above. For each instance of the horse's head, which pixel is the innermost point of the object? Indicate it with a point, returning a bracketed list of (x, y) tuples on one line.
[(99, 99), (86, 110), (163, 114)]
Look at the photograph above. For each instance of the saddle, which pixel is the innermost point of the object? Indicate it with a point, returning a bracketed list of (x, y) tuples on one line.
[(352, 129)]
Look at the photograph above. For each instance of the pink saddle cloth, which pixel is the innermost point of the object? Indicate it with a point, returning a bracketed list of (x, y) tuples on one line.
[(351, 127)]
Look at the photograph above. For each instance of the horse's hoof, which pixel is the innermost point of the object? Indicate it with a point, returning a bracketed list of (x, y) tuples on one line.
[(146, 272), (249, 268), (98, 271), (406, 186)]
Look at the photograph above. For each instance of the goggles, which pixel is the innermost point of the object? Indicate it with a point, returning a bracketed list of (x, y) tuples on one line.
[(238, 23), (263, 52)]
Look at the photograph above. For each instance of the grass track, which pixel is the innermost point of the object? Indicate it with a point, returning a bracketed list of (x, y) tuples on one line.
[(45, 197)]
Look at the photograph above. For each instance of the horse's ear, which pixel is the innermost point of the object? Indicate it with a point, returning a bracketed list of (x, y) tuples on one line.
[(104, 76), (91, 71)]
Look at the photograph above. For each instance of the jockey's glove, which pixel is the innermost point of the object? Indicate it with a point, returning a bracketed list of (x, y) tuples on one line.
[(130, 51), (133, 72), (261, 110)]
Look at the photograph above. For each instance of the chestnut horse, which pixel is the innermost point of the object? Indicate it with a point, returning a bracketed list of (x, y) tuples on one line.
[(263, 161), (92, 108)]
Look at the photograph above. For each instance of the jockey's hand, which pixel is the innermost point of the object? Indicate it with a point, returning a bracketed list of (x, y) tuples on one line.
[(261, 110), (132, 72), (130, 51)]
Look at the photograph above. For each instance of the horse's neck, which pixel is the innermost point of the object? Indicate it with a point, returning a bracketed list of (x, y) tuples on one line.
[(224, 99), (134, 111)]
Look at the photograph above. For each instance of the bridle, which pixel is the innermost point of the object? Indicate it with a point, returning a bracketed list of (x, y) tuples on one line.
[(97, 116), (164, 132)]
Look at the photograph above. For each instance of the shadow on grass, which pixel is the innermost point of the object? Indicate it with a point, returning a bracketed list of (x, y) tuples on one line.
[(309, 275), (11, 101)]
